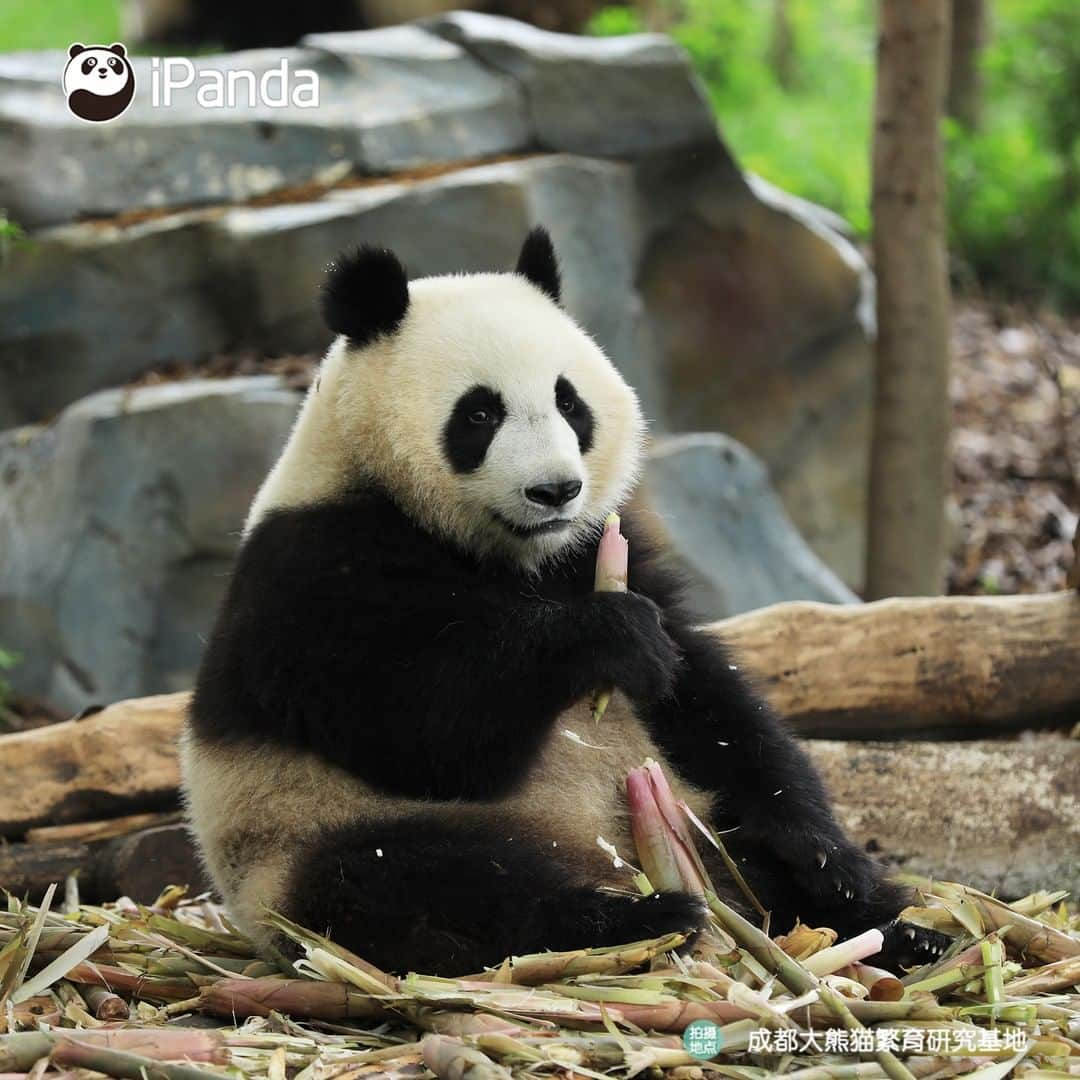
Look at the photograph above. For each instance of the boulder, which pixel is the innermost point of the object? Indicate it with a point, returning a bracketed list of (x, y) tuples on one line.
[(614, 97), (764, 316), (729, 305), (87, 306), (727, 528), (118, 525), (90, 305), (463, 86), (389, 99)]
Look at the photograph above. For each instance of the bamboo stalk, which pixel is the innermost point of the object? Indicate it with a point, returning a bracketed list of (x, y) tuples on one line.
[(450, 1059), (795, 977), (612, 574), (300, 997)]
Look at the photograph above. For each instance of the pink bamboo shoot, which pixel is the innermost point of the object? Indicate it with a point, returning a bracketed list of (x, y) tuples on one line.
[(612, 571)]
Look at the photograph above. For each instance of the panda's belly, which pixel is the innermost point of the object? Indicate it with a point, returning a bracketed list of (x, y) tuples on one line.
[(255, 810), (576, 791)]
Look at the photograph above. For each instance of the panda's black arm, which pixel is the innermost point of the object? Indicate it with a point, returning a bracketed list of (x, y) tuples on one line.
[(768, 799), (714, 728), (472, 679)]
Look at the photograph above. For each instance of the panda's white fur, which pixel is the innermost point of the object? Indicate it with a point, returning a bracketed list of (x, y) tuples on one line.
[(380, 418)]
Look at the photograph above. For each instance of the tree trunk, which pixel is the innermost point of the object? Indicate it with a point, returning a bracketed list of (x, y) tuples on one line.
[(782, 45), (906, 528), (968, 37)]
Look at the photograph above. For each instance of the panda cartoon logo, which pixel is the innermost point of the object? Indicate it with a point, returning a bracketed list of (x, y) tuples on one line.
[(99, 81)]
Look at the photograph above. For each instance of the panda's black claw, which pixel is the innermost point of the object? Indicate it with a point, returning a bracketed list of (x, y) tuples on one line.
[(908, 946)]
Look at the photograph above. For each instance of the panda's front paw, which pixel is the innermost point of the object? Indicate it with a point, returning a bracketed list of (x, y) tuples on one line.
[(636, 652), (908, 946)]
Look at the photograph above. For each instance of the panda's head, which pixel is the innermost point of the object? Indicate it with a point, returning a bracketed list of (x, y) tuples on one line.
[(475, 401)]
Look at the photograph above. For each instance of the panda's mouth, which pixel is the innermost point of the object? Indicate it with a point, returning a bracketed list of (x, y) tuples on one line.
[(525, 532)]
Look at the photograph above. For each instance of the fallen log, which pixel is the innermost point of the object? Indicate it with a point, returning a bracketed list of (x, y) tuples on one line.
[(138, 865), (88, 832), (121, 760), (959, 665)]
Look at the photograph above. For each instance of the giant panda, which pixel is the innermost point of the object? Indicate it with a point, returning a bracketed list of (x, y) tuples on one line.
[(391, 740)]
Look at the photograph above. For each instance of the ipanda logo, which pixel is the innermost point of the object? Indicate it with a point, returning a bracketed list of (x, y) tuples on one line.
[(100, 83), (275, 88)]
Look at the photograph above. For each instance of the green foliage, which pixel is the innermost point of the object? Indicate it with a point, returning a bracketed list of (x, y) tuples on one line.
[(10, 234), (8, 660), (811, 137), (1014, 185), (55, 24)]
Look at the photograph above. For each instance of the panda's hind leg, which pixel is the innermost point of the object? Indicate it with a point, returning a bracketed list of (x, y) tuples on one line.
[(439, 897)]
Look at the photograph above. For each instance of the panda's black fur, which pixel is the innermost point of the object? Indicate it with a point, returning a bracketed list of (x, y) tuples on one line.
[(468, 662)]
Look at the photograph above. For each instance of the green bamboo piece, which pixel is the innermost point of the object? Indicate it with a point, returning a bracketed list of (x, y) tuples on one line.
[(795, 977)]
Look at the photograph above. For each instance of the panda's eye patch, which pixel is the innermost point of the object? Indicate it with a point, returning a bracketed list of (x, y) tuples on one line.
[(575, 412), (114, 63), (88, 65), (472, 425)]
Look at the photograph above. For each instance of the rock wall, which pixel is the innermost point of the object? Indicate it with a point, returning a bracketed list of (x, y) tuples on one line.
[(172, 234)]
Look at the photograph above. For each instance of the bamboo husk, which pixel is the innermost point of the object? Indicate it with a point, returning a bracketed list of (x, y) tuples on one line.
[(584, 1013)]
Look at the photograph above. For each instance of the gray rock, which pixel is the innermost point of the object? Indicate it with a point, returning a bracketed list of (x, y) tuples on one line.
[(117, 530), (613, 97), (728, 530), (388, 99), (86, 306), (764, 317), (411, 98)]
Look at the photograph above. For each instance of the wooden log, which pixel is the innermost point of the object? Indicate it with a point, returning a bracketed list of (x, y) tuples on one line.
[(89, 832), (960, 665), (117, 761), (138, 865)]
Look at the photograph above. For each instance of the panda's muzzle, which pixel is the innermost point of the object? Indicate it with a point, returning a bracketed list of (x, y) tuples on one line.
[(525, 532)]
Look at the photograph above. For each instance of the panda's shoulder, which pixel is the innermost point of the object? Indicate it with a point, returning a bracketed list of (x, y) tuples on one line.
[(364, 528), (653, 570)]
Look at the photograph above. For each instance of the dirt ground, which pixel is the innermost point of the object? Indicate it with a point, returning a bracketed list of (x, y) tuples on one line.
[(1015, 465)]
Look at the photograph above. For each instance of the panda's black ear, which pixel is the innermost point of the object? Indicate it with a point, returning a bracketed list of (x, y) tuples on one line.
[(538, 264), (365, 294), (75, 50), (117, 48)]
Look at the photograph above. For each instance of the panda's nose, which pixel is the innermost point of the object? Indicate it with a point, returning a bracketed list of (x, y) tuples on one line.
[(554, 494)]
